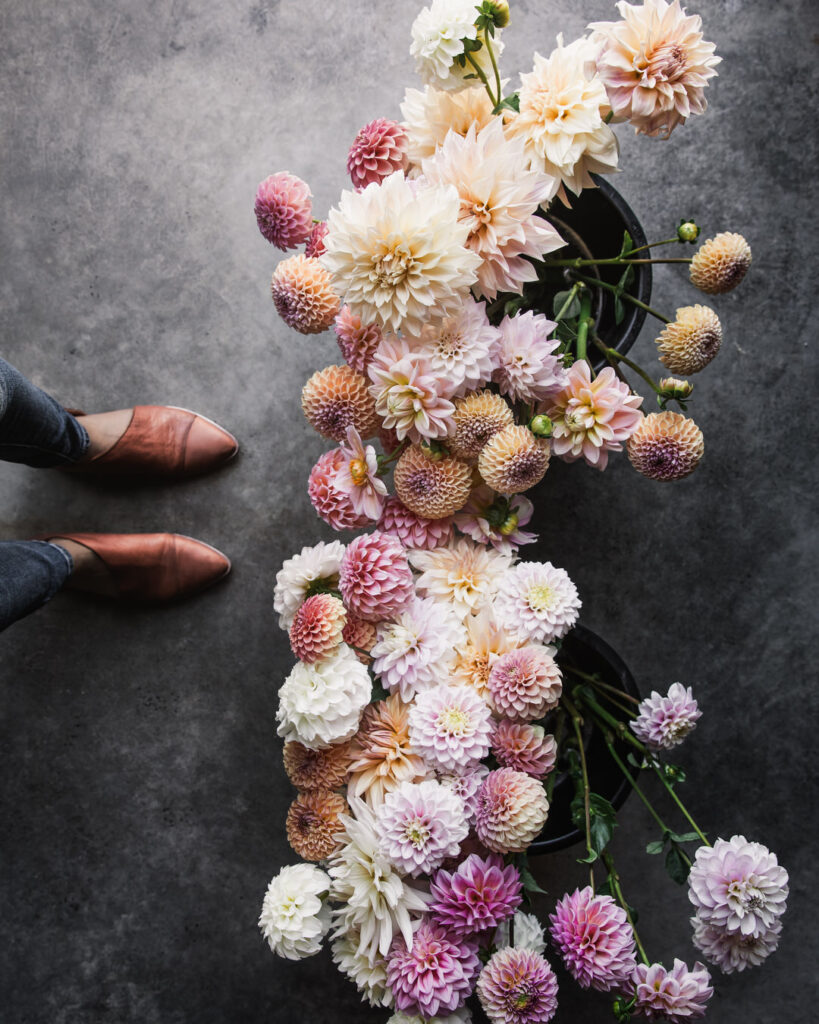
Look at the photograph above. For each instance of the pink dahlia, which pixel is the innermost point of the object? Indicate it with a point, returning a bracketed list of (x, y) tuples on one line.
[(283, 210), (413, 530), (375, 578), (738, 886), (512, 809), (359, 635), (379, 149), (466, 785), (591, 418), (488, 519), (595, 940), (315, 240), (357, 341), (303, 294), (409, 396), (676, 996), (479, 895), (358, 478), (435, 976), (331, 504), (419, 825), (524, 747), (733, 952), (450, 727), (527, 369), (317, 627), (663, 722), (525, 684), (518, 986), (537, 601)]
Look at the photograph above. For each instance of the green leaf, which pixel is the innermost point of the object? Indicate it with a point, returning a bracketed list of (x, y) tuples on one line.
[(606, 888), (676, 866), (529, 881), (627, 243), (656, 846), (512, 306), (509, 103), (560, 300), (632, 760), (619, 310), (378, 693), (685, 837)]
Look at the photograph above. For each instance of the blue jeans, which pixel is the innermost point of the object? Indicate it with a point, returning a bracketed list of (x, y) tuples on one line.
[(37, 431)]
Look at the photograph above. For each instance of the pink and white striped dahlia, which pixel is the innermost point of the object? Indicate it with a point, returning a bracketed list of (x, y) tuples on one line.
[(479, 895), (676, 996), (284, 210), (512, 809), (435, 975), (526, 367), (524, 747), (412, 530), (525, 684), (419, 825), (318, 627), (518, 986), (537, 601), (450, 727), (663, 722), (377, 151), (410, 397), (331, 504), (733, 951), (595, 940), (375, 579)]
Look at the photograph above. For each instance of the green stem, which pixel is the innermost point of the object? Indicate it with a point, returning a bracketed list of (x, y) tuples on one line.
[(620, 261), (605, 690), (608, 860), (558, 734), (488, 44), (385, 460), (680, 804), (618, 761), (583, 324), (597, 283), (575, 289), (618, 726), (652, 245), (605, 686), (612, 354), (483, 78), (586, 803)]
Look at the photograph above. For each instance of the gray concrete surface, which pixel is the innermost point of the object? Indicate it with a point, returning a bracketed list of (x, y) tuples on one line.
[(143, 798)]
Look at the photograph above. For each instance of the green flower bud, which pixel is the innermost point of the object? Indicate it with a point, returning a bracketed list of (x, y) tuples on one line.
[(541, 426), (433, 450), (673, 387), (688, 231), (510, 524), (500, 13)]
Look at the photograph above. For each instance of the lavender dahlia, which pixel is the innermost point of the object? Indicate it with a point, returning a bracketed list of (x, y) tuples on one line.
[(595, 940), (518, 986), (419, 825), (734, 951), (434, 976), (479, 895), (663, 722), (676, 996), (450, 727)]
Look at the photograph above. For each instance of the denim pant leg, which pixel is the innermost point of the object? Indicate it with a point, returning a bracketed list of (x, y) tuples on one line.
[(31, 573), (34, 428)]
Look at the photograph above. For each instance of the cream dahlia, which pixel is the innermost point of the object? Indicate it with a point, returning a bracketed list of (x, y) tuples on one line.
[(313, 569), (450, 727), (368, 976), (720, 263), (409, 395), (486, 641), (463, 574), (283, 210), (666, 446), (381, 754), (375, 579), (537, 601), (303, 294), (438, 48), (526, 367), (691, 341), (377, 151), (512, 809), (416, 646), (430, 114), (513, 460), (294, 917), (528, 933), (419, 825)]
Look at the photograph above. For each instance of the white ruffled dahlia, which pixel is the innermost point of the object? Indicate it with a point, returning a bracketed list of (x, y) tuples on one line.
[(526, 366), (537, 601), (368, 975), (450, 727), (528, 933), (294, 917), (419, 825), (733, 951), (314, 565), (665, 721), (411, 395), (430, 114), (463, 574), (437, 42)]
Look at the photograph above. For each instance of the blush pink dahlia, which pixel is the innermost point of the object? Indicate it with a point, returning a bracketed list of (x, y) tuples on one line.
[(527, 369), (375, 579), (663, 722), (518, 986), (466, 785), (512, 809), (434, 976), (314, 246), (413, 530), (676, 996), (357, 341), (379, 149), (357, 476), (450, 726), (525, 684), (419, 825), (537, 601), (283, 210), (524, 747), (409, 396), (734, 952), (331, 504), (303, 294), (317, 627), (479, 895), (595, 940), (490, 520)]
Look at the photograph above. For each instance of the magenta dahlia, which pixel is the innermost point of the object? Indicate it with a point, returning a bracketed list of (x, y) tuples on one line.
[(524, 747), (413, 530), (518, 986), (525, 683), (512, 809), (479, 895), (676, 996), (379, 149), (331, 504), (375, 578), (356, 340), (435, 976), (284, 211), (595, 940)]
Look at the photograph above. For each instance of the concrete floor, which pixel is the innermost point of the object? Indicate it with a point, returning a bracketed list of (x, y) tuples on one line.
[(143, 799)]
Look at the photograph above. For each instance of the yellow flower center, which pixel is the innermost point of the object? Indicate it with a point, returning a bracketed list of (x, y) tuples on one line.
[(358, 472), (541, 597), (392, 266), (453, 721), (416, 832)]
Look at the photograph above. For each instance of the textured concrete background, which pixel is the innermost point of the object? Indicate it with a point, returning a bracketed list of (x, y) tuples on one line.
[(143, 797)]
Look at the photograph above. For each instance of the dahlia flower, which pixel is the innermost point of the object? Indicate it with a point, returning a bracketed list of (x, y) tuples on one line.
[(466, 785), (357, 477), (375, 579), (537, 601), (561, 119), (738, 886), (478, 417), (419, 825), (316, 769), (437, 42), (666, 446), (368, 976), (721, 263), (336, 398), (303, 294), (294, 918), (331, 504), (479, 895), (526, 932), (321, 704), (412, 530), (462, 1016), (591, 418), (663, 722), (430, 486), (594, 939), (356, 340), (314, 567), (312, 823), (377, 151), (283, 210), (450, 726), (396, 255), (463, 574), (513, 460), (527, 369), (518, 986), (409, 395), (525, 684), (654, 65), (434, 974), (512, 809), (500, 198), (381, 755), (429, 115), (524, 747), (314, 246), (691, 341), (675, 996), (486, 640), (733, 951), (317, 627), (477, 521), (415, 648)]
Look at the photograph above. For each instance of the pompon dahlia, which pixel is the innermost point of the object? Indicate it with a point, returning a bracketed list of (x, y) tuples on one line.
[(591, 418), (368, 976), (331, 504), (431, 487), (665, 721), (381, 754), (479, 895), (524, 747), (375, 578), (738, 886), (419, 825), (477, 417), (654, 65), (395, 253), (313, 567), (435, 975), (377, 151), (412, 530), (537, 601), (486, 641), (336, 398), (518, 986), (527, 369), (357, 341), (317, 769), (462, 574), (314, 246), (666, 446), (512, 809), (691, 341), (594, 939), (303, 294), (317, 627), (450, 727), (733, 952), (676, 996), (488, 519), (294, 917), (410, 397), (513, 460), (360, 635), (284, 211), (525, 684), (429, 115), (720, 264), (313, 823)]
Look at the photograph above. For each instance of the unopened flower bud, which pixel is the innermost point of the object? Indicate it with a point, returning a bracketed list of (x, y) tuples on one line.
[(673, 387), (510, 524), (688, 231), (541, 426), (433, 450), (500, 13)]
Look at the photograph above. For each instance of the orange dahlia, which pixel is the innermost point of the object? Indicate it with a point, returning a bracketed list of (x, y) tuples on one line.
[(432, 487), (313, 825), (382, 755), (478, 417), (336, 398), (317, 769), (303, 293)]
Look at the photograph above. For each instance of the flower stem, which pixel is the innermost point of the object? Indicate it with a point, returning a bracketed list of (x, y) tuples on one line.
[(586, 804), (605, 691), (558, 734), (618, 726), (575, 289), (608, 860), (652, 245), (612, 354), (480, 72), (604, 686), (618, 761), (384, 461), (680, 804), (583, 324), (488, 44), (619, 261), (596, 282)]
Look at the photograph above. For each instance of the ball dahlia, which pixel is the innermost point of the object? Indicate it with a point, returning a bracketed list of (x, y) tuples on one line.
[(479, 895), (381, 754), (419, 825), (512, 809), (666, 446), (691, 341), (435, 974), (317, 769), (431, 487), (513, 460), (538, 601), (356, 340), (313, 823), (665, 721), (527, 369), (410, 397), (524, 747), (377, 151), (594, 939), (412, 530), (303, 294), (375, 579), (476, 419), (721, 263), (314, 567), (317, 627), (676, 996), (336, 398), (518, 986), (332, 504), (450, 726), (525, 684), (733, 951), (283, 210), (360, 635), (294, 918)]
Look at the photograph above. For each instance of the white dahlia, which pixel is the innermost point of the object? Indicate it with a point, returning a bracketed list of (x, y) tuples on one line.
[(462, 573), (526, 367), (500, 197), (733, 951), (368, 975), (315, 566), (431, 114), (397, 253), (294, 917), (538, 601), (321, 703), (411, 397), (462, 1016), (450, 727), (527, 933), (419, 825), (437, 42)]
